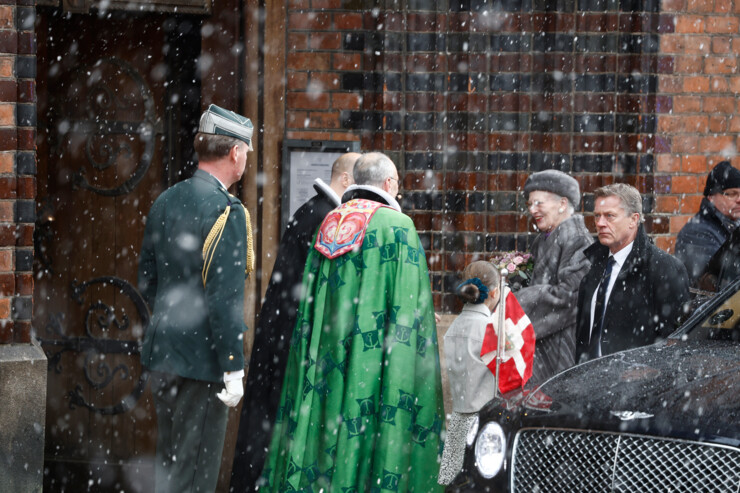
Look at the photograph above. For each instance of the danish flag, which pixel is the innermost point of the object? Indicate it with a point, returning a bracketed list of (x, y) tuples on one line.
[(516, 363)]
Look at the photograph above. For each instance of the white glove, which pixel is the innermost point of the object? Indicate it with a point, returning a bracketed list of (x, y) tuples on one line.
[(232, 392)]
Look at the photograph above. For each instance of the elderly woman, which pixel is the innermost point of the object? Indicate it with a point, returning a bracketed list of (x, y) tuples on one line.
[(551, 299)]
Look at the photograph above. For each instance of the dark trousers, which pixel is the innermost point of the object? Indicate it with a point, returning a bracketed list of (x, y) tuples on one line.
[(191, 427)]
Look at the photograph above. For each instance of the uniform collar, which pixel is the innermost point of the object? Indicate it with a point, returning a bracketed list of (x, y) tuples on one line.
[(321, 187)]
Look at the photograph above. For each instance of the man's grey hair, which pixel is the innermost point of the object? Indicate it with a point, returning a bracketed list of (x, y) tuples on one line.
[(211, 147), (627, 194), (373, 169)]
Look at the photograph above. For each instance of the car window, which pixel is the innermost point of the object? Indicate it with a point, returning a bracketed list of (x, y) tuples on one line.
[(720, 322)]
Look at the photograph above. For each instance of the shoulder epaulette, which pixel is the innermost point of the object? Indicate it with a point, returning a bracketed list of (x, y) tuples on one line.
[(214, 236)]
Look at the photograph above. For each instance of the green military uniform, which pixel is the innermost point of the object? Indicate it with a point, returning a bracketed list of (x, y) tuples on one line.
[(195, 334)]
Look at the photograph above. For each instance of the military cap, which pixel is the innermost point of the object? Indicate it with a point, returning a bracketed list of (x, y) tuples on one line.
[(218, 121)]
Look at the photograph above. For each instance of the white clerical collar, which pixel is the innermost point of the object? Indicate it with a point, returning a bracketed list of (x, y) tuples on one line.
[(622, 254), (329, 191), (386, 196)]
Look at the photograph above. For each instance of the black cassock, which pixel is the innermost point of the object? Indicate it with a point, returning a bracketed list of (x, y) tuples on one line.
[(272, 340)]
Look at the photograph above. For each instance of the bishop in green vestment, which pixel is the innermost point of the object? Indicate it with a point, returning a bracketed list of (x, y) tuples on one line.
[(361, 407)]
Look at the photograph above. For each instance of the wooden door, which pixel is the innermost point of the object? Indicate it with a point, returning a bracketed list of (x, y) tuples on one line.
[(113, 91)]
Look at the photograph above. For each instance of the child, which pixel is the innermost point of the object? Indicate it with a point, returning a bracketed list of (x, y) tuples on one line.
[(472, 384)]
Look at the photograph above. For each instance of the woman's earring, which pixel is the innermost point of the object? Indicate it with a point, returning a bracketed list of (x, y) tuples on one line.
[(561, 210)]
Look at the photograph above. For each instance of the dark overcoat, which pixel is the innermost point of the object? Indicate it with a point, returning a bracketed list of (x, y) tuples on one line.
[(196, 330), (701, 237), (272, 339), (649, 298)]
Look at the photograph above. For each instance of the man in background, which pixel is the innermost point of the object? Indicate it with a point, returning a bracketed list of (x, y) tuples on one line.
[(711, 227), (275, 326), (196, 251), (634, 291)]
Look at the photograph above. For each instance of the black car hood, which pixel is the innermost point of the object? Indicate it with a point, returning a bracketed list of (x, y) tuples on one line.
[(673, 389)]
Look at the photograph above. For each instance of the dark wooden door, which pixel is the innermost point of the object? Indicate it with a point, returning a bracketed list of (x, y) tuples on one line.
[(113, 89)]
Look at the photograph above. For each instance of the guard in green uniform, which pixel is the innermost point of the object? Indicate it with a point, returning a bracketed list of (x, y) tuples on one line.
[(196, 252)]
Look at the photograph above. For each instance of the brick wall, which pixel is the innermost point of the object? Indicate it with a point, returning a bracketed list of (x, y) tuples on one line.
[(700, 127), (470, 96), (17, 168)]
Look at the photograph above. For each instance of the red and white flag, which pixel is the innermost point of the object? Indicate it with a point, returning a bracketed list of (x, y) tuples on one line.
[(516, 364)]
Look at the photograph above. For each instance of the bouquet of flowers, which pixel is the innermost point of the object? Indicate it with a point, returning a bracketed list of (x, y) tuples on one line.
[(520, 266)]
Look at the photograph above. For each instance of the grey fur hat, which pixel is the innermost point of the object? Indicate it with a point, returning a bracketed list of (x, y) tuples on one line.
[(556, 182)]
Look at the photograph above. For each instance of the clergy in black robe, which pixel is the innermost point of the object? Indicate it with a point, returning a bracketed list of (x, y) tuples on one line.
[(275, 326)]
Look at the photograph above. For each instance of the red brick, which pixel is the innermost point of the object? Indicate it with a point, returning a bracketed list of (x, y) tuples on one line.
[(9, 42), (26, 140), (666, 203), (347, 21), (722, 6), (720, 65), (24, 284), (4, 308), (684, 184), (7, 115), (716, 144), (346, 101), (8, 91), (6, 17), (685, 143), (297, 81), (734, 124), (691, 64), (8, 188), (347, 61), (325, 41), (26, 91), (718, 124), (696, 84), (6, 211), (719, 104), (719, 84), (694, 164), (7, 284), (683, 124), (6, 66), (321, 120), (689, 24), (298, 41), (309, 61), (309, 21), (26, 187), (673, 5), (687, 104), (24, 235), (26, 43), (8, 139), (700, 5), (721, 45), (721, 24), (669, 84), (690, 203), (668, 163)]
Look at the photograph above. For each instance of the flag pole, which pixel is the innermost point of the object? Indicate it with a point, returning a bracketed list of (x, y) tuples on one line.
[(501, 332)]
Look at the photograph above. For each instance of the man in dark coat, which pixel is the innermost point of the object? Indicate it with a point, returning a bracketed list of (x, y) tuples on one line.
[(634, 292), (196, 250), (275, 326), (718, 214)]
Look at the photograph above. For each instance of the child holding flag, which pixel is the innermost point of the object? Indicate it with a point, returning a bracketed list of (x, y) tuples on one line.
[(470, 346)]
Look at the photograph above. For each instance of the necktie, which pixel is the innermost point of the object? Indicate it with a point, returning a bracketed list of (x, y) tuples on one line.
[(594, 346)]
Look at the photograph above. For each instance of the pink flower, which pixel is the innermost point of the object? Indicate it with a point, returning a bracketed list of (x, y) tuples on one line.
[(511, 267), (518, 260)]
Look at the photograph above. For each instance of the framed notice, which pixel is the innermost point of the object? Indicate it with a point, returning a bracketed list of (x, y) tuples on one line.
[(303, 162)]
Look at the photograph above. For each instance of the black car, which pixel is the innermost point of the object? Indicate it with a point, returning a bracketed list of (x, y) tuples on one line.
[(664, 417)]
